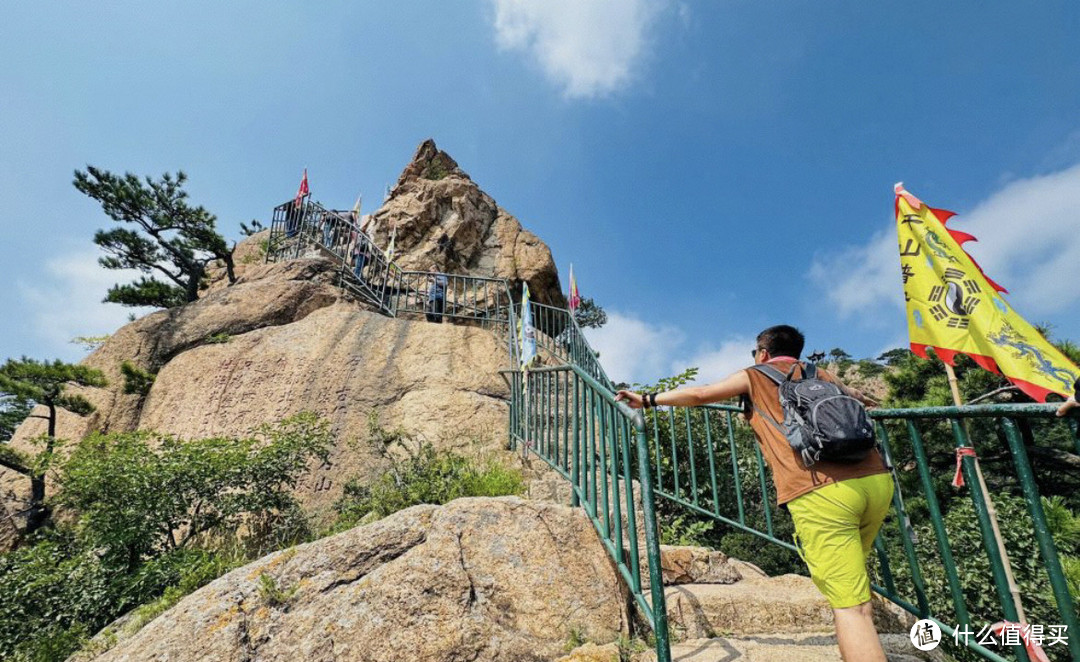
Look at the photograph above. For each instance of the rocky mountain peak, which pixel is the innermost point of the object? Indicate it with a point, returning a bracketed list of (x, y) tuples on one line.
[(430, 163), (442, 221)]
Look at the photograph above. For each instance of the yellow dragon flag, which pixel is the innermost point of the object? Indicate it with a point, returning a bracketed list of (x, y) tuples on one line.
[(954, 307)]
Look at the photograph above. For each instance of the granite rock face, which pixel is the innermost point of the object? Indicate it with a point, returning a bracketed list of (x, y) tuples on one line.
[(500, 580), (446, 223), (282, 340), (699, 565)]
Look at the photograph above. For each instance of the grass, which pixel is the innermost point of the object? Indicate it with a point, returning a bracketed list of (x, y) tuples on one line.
[(575, 638), (418, 473), (273, 595), (427, 476)]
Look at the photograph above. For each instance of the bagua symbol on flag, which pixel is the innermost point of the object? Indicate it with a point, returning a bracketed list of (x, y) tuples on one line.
[(944, 293)]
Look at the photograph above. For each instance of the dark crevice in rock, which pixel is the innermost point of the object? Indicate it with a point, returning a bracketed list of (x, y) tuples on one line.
[(368, 562), (247, 647), (488, 394), (472, 585)]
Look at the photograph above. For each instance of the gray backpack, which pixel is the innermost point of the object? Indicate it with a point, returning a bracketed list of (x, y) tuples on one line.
[(820, 421)]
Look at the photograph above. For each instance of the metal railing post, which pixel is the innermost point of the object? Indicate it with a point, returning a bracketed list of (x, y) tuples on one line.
[(938, 524), (652, 542), (997, 566), (1047, 549)]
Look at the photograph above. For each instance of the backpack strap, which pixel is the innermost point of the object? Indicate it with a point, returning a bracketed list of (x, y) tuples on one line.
[(772, 373), (776, 377), (764, 414)]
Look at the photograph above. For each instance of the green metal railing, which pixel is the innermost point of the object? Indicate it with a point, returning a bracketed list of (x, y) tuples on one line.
[(708, 463), (365, 270), (485, 301), (558, 333), (704, 461), (572, 421)]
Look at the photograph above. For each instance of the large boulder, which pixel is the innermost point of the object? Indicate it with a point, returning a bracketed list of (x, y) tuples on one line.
[(478, 579), (271, 295), (446, 223), (434, 382), (285, 339)]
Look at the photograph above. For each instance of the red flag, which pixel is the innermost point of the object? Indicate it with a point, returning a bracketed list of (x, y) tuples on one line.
[(303, 190)]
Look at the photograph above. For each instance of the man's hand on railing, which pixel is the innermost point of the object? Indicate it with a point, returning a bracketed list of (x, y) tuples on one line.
[(632, 400), (1071, 402)]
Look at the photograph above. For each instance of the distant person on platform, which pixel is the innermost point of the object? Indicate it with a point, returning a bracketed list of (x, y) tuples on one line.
[(361, 252), (837, 508), (1071, 403), (328, 229), (436, 297)]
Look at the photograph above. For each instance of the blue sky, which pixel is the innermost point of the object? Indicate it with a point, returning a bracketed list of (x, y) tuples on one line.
[(709, 168)]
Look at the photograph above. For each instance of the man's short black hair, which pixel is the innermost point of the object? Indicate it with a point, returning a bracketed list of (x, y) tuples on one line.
[(782, 340)]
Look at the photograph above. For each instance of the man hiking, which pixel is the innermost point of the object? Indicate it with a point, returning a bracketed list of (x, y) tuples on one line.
[(837, 507)]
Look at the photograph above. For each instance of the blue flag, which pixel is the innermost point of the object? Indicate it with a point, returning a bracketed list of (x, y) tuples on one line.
[(526, 332)]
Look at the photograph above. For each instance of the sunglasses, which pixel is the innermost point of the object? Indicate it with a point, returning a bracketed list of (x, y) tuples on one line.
[(753, 352)]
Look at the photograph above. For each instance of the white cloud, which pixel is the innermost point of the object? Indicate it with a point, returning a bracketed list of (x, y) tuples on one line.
[(587, 47), (65, 302), (633, 350), (1029, 242), (860, 277), (715, 363)]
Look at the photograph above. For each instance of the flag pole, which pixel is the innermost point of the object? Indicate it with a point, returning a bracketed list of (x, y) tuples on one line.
[(990, 510)]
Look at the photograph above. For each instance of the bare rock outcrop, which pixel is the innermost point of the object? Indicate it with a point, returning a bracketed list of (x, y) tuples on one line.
[(284, 339), (699, 565), (435, 382), (446, 223), (478, 579), (271, 295)]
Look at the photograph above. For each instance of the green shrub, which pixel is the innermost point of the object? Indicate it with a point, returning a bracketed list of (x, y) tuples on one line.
[(426, 476), (973, 566), (136, 380), (680, 531), (437, 169), (867, 368), (272, 594), (133, 493), (49, 592), (135, 490)]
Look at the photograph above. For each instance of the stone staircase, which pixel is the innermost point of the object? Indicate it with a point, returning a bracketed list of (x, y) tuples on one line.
[(721, 609), (761, 618)]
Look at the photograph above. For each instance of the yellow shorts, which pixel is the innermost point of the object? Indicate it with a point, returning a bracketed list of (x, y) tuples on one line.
[(835, 527)]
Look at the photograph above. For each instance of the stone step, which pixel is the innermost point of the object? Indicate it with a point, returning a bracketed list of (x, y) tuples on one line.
[(810, 647), (699, 565), (788, 603)]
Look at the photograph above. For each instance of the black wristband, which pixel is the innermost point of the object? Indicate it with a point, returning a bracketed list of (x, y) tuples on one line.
[(652, 398)]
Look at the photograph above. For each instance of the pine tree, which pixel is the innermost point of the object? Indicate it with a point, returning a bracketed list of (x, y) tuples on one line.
[(27, 381), (163, 235), (589, 314), (12, 413)]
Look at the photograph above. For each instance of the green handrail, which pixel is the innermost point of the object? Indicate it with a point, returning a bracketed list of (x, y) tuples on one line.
[(693, 438), (558, 332), (572, 422), (567, 415)]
